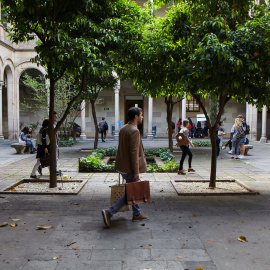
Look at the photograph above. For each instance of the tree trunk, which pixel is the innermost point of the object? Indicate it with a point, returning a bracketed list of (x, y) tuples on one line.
[(95, 122), (169, 107), (222, 101), (51, 131), (213, 172)]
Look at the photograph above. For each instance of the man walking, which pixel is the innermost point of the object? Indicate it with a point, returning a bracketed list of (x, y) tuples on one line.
[(130, 162), (103, 127)]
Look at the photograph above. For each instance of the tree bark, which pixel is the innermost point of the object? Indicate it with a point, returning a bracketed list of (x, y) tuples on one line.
[(213, 171), (95, 122), (52, 133), (169, 107)]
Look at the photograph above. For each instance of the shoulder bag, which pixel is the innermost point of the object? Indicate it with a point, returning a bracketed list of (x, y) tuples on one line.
[(45, 160)]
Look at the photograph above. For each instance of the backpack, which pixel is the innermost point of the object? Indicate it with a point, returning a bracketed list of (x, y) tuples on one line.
[(240, 134), (247, 129), (105, 126)]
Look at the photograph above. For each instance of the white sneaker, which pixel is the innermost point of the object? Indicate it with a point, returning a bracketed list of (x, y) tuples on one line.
[(223, 147), (230, 152), (240, 156)]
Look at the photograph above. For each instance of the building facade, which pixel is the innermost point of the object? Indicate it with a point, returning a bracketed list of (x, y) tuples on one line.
[(15, 60)]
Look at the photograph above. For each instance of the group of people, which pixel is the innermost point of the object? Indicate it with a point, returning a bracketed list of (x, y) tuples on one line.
[(237, 138), (25, 136), (194, 132)]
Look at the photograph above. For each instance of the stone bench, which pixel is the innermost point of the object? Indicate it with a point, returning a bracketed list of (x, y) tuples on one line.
[(247, 147), (20, 148)]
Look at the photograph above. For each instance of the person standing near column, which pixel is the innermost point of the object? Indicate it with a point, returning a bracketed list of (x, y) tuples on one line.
[(243, 140), (130, 162)]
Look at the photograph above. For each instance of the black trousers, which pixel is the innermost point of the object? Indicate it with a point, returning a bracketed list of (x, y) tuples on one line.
[(103, 135), (186, 151)]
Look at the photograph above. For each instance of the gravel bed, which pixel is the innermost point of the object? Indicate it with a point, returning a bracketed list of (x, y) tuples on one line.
[(44, 187), (203, 187)]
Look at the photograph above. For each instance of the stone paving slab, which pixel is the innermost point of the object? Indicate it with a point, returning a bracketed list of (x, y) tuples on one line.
[(182, 232)]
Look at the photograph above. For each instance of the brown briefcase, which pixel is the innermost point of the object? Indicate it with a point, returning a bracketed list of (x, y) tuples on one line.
[(137, 192)]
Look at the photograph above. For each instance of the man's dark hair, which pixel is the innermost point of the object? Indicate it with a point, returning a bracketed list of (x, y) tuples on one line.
[(45, 123), (132, 112), (54, 112), (103, 118)]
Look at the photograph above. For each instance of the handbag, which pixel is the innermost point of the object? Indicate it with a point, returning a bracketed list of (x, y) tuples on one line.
[(118, 191), (45, 160), (137, 192), (181, 139)]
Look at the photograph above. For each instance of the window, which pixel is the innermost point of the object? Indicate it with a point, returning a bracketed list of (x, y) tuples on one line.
[(192, 105)]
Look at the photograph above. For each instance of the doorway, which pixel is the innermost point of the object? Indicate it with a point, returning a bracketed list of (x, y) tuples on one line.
[(134, 103)]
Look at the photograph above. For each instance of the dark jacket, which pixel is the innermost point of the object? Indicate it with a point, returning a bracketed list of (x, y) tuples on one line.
[(41, 147)]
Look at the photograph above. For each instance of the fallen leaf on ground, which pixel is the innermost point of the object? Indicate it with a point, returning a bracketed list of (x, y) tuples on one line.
[(179, 257), (16, 219), (13, 225), (20, 186), (199, 268), (57, 257), (211, 240), (65, 178), (242, 239), (3, 224), (148, 245), (142, 224), (75, 203), (13, 189), (2, 197), (71, 243), (43, 227)]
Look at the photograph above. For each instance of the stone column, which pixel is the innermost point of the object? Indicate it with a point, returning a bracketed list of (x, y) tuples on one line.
[(116, 122), (264, 125), (252, 121), (83, 136), (11, 107), (150, 118), (1, 113), (116, 106), (184, 115)]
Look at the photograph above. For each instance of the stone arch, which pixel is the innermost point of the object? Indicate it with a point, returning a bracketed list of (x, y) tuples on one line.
[(8, 110), (28, 115)]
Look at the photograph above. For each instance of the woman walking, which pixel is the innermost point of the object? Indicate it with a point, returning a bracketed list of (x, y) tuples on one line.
[(185, 149), (43, 147)]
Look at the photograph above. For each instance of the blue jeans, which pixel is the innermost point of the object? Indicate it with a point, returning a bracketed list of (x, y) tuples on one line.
[(31, 144), (122, 201)]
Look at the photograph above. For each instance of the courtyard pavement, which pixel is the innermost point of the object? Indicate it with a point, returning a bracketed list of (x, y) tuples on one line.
[(182, 232)]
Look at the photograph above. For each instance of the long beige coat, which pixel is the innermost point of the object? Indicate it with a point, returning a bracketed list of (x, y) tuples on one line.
[(130, 155)]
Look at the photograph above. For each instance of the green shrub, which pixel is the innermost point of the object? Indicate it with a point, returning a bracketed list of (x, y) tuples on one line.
[(65, 143), (201, 143), (94, 163)]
